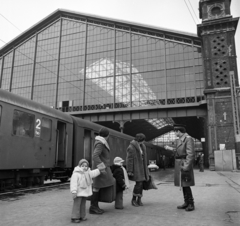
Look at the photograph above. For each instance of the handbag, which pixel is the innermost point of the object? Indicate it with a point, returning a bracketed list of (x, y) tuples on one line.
[(186, 176), (149, 184)]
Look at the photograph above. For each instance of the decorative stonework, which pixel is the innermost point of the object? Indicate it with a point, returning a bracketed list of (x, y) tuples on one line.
[(216, 11), (220, 70), (219, 45)]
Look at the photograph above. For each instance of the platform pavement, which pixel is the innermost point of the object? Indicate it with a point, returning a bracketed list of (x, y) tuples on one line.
[(217, 200)]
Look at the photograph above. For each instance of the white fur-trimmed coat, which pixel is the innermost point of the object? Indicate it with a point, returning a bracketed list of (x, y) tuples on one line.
[(78, 183)]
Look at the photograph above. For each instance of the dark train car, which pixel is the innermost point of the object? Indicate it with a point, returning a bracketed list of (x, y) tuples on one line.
[(84, 138), (35, 141)]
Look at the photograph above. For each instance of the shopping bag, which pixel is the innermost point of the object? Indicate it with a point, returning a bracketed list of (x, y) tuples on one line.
[(147, 185)]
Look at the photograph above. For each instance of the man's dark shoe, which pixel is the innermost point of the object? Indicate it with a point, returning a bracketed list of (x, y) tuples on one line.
[(190, 207), (83, 218), (75, 220), (95, 210), (134, 203), (183, 206)]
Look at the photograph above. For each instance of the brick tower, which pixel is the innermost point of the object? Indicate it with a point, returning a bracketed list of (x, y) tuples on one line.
[(220, 74)]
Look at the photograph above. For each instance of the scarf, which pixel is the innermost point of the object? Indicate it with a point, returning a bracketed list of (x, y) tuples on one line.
[(102, 139), (125, 177), (85, 180)]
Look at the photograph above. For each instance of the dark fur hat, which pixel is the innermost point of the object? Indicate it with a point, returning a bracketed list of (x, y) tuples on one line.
[(104, 132)]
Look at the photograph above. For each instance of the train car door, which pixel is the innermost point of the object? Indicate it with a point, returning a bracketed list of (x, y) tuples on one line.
[(88, 146), (61, 147)]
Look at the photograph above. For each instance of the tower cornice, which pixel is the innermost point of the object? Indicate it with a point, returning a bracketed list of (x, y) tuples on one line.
[(216, 26)]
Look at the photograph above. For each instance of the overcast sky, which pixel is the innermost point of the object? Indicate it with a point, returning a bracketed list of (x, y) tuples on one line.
[(16, 16)]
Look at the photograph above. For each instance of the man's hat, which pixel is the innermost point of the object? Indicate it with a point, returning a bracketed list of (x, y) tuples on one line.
[(179, 126)]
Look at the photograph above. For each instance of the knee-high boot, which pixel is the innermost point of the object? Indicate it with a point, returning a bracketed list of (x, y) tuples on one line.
[(190, 206), (185, 204), (94, 209)]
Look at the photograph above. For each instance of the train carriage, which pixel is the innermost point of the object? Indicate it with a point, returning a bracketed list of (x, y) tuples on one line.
[(35, 141)]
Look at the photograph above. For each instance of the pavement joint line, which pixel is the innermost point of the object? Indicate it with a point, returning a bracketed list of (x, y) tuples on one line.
[(233, 187), (230, 220)]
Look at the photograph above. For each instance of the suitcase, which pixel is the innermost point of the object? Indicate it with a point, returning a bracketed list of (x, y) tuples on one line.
[(107, 194)]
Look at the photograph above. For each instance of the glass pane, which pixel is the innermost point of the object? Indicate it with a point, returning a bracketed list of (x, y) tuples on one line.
[(46, 129), (23, 124)]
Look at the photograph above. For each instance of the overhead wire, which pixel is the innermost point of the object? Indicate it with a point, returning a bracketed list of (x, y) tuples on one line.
[(10, 22), (193, 10), (54, 59), (190, 12)]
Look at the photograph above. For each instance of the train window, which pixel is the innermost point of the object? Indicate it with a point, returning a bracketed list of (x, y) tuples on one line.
[(46, 129), (23, 124)]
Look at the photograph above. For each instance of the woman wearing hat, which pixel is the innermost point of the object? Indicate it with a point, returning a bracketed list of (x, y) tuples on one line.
[(101, 159), (137, 169), (184, 159)]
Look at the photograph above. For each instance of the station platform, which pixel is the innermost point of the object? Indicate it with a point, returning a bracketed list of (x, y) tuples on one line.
[(216, 194)]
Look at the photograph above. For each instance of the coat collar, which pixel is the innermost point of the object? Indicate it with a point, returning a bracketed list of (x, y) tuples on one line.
[(182, 139), (136, 145)]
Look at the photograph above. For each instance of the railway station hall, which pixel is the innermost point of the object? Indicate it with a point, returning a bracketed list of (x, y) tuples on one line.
[(127, 76)]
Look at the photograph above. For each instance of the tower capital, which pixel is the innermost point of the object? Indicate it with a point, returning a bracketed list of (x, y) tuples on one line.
[(214, 9)]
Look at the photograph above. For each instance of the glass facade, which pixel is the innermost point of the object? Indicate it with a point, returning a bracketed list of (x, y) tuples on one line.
[(77, 65)]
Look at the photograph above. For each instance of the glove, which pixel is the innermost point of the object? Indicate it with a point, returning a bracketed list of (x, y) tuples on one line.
[(130, 174), (124, 186), (74, 195), (184, 169), (102, 171), (101, 166)]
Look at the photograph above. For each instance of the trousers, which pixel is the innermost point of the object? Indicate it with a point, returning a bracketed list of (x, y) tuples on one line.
[(79, 207), (119, 200), (187, 194), (138, 189)]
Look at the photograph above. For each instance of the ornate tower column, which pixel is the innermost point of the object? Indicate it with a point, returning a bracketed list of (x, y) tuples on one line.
[(220, 72)]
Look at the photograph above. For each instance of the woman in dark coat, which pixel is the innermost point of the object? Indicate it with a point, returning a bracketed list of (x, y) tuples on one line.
[(137, 169), (101, 159)]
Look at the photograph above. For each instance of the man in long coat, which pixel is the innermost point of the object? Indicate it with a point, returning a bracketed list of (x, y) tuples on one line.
[(101, 159), (136, 164), (184, 159)]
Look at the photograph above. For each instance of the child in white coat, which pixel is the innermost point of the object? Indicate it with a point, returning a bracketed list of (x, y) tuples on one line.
[(81, 188)]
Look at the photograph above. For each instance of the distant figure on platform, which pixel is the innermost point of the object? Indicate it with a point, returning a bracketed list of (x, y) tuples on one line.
[(184, 158), (122, 182), (101, 157), (164, 162), (201, 163), (136, 162), (81, 188), (197, 160)]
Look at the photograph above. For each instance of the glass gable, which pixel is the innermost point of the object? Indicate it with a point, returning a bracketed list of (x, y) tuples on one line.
[(92, 65)]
